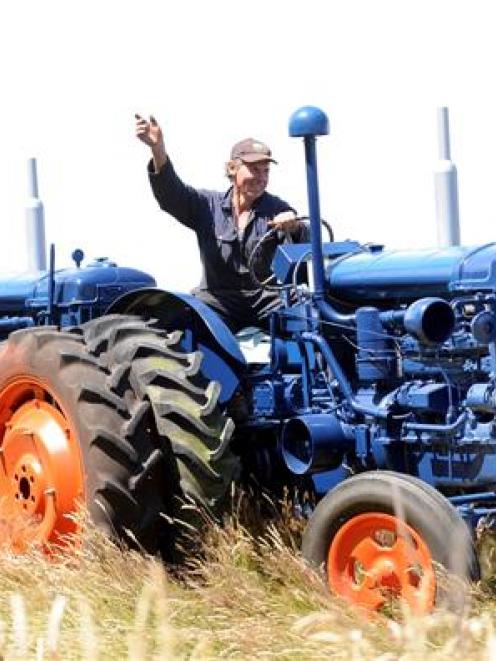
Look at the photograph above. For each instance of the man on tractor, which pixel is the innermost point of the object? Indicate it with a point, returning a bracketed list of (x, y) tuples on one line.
[(228, 225)]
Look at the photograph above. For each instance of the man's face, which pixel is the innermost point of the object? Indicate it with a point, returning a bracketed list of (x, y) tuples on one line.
[(251, 179)]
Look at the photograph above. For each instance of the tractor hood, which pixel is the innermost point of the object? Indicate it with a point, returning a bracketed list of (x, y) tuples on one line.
[(393, 276), (100, 282), (16, 288), (370, 275)]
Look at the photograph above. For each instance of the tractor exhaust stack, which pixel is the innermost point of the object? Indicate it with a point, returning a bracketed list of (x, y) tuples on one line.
[(446, 186), (35, 222)]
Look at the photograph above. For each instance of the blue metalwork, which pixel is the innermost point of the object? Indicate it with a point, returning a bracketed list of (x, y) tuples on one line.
[(290, 256), (11, 324), (395, 276), (67, 296), (308, 121), (313, 443), (203, 330), (404, 369), (376, 358), (314, 209), (51, 286)]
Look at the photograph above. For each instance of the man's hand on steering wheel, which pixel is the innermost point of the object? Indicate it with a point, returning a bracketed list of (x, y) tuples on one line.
[(279, 231), (286, 222)]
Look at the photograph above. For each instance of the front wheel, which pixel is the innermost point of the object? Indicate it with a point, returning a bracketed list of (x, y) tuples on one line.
[(379, 536)]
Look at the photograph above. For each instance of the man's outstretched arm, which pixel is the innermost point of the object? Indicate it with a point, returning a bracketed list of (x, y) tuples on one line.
[(183, 202)]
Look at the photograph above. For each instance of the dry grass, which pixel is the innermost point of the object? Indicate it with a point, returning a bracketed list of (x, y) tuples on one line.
[(246, 598)]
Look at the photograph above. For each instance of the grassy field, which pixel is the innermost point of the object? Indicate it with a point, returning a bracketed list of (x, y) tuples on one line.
[(244, 597)]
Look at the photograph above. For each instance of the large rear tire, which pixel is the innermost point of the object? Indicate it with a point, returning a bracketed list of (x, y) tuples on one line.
[(115, 415), (379, 536)]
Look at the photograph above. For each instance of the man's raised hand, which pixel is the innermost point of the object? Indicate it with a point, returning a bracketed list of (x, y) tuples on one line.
[(149, 132)]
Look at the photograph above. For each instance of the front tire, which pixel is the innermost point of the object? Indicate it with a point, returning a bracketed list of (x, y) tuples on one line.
[(379, 535)]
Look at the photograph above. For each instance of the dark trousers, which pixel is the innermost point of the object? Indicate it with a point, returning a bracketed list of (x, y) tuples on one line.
[(241, 308)]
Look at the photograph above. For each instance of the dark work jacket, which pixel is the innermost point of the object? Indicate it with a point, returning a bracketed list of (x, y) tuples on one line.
[(223, 251)]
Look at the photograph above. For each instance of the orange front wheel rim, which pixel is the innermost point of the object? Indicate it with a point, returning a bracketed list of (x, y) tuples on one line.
[(41, 472), (375, 558)]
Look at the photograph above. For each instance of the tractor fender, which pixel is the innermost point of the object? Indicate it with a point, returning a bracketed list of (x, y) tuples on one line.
[(203, 330)]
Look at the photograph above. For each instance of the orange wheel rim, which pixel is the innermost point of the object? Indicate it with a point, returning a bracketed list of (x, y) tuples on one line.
[(41, 471), (375, 558)]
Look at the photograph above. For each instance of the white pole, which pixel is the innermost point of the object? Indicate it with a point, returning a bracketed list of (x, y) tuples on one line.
[(446, 186), (35, 222)]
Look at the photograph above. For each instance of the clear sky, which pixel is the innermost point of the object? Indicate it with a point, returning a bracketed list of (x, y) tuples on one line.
[(213, 72)]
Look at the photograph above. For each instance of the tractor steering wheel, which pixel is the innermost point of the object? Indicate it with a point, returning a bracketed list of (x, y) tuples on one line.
[(260, 260), (261, 256)]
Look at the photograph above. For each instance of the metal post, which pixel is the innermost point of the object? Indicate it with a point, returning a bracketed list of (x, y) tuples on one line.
[(307, 123), (314, 211), (51, 286), (446, 187), (35, 222)]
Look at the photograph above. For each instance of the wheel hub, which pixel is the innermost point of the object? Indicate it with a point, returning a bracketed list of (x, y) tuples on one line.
[(41, 479), (375, 557), (29, 484)]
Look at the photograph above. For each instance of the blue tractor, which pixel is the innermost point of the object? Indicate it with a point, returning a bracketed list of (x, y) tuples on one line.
[(373, 398)]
